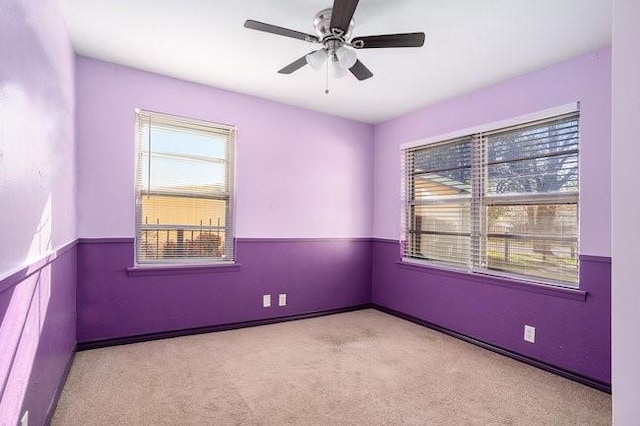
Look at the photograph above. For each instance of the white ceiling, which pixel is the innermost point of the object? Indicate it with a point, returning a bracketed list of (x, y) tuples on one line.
[(469, 44)]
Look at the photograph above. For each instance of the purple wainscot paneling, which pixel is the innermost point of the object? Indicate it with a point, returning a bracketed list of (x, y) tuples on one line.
[(316, 274), (572, 328), (37, 333)]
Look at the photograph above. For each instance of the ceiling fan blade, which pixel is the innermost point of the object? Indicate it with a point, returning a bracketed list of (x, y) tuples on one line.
[(295, 65), (389, 40), (341, 14), (273, 29), (360, 71)]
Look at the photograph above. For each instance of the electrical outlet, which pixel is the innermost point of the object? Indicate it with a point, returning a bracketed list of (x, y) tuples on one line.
[(530, 333), (266, 301), (282, 299), (24, 421)]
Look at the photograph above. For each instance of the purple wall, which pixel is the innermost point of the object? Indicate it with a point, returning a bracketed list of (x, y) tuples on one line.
[(299, 173), (586, 79), (572, 334), (37, 151), (303, 201), (37, 189), (572, 331), (626, 226), (288, 211), (37, 309), (304, 198), (316, 274)]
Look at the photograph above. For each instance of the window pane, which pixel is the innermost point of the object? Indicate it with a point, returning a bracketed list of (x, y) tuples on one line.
[(183, 190), (534, 176), (443, 157), (183, 210), (505, 200), (167, 140), (543, 139), (177, 243), (536, 159), (441, 232), (175, 174), (451, 183), (534, 240)]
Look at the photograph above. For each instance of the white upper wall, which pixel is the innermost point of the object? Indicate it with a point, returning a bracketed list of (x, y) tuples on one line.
[(37, 158)]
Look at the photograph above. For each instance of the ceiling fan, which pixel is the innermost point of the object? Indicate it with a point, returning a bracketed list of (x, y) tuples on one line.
[(333, 28)]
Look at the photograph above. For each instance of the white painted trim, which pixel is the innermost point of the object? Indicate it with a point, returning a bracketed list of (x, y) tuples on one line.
[(187, 120), (514, 121)]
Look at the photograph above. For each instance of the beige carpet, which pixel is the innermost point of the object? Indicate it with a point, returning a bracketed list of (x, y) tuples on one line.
[(359, 368)]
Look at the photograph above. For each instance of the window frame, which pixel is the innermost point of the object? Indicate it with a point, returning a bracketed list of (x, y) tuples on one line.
[(481, 200), (196, 126)]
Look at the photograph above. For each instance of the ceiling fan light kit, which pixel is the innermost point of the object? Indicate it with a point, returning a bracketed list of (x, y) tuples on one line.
[(316, 59), (337, 71), (346, 57), (334, 27)]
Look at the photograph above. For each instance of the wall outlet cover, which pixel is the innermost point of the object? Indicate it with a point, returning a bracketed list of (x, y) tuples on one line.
[(282, 299), (530, 333), (266, 301)]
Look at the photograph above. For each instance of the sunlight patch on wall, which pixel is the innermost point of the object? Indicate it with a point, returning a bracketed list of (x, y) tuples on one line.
[(41, 242), (26, 168)]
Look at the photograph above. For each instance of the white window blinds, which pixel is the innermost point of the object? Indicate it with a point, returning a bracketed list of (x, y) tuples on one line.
[(504, 201), (184, 190), (438, 182)]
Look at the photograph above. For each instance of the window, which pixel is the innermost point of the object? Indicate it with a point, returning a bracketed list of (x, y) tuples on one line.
[(184, 190), (502, 202)]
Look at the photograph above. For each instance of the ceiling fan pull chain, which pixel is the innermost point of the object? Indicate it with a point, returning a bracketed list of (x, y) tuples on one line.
[(326, 89)]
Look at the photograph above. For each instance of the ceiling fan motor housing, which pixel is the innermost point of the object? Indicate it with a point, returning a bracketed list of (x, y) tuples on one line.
[(322, 24)]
